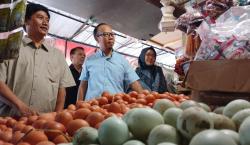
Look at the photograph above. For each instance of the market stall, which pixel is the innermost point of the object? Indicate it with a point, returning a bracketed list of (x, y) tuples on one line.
[(213, 67)]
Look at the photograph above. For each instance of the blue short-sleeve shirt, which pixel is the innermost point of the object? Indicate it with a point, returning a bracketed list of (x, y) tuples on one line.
[(103, 73)]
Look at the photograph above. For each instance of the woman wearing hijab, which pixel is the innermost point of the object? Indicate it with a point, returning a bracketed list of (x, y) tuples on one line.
[(151, 76)]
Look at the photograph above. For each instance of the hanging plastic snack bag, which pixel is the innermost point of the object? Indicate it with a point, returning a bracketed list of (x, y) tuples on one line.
[(189, 21), (4, 19), (17, 16), (12, 13)]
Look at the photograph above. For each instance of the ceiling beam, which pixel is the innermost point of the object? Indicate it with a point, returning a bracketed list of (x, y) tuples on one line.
[(155, 2), (179, 9)]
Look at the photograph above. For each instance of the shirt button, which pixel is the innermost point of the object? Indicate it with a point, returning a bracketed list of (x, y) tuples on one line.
[(36, 53), (33, 89)]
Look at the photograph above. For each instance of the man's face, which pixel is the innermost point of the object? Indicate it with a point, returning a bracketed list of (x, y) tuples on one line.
[(38, 24), (105, 37), (78, 57)]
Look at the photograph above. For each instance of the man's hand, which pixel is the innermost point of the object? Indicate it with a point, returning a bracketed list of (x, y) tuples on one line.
[(136, 86), (10, 96), (25, 110)]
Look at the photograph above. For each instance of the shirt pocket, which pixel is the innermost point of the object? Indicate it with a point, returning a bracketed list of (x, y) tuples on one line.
[(53, 73)]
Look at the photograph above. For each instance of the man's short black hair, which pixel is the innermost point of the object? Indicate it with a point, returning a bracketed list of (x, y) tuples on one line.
[(73, 50), (97, 27), (33, 8)]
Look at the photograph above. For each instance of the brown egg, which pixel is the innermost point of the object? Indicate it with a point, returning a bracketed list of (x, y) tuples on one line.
[(94, 118), (81, 113), (6, 143), (103, 101), (124, 108), (71, 107), (11, 122), (146, 92), (150, 98), (105, 94), (132, 100), (32, 119), (64, 117), (95, 108), (126, 97), (48, 116), (106, 106), (133, 94), (119, 115), (45, 143), (23, 143), (109, 115), (110, 98), (38, 124), (82, 104), (94, 102), (115, 108), (3, 127), (17, 136), (24, 119), (141, 96), (120, 101), (74, 125), (3, 120), (34, 137), (103, 111), (61, 139), (141, 101), (27, 129), (117, 97), (98, 125), (53, 129), (5, 135), (18, 126)]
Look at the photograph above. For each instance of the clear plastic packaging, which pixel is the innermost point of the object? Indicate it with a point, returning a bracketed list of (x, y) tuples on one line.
[(228, 38)]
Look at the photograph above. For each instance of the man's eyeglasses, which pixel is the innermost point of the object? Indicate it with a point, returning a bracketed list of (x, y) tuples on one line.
[(106, 34)]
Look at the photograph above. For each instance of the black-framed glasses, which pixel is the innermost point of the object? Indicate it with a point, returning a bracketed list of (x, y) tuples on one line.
[(106, 34)]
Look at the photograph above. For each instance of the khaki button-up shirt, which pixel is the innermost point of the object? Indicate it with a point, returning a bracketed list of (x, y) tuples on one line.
[(35, 77)]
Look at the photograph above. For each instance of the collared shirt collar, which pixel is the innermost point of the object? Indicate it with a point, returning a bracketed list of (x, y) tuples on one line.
[(44, 45), (101, 53)]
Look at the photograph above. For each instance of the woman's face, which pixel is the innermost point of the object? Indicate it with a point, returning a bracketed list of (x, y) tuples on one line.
[(150, 57)]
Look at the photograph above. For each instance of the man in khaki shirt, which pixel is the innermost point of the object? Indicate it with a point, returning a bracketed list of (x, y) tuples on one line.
[(35, 82)]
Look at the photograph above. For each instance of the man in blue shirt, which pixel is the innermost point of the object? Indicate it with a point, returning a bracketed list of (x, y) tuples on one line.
[(106, 70)]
